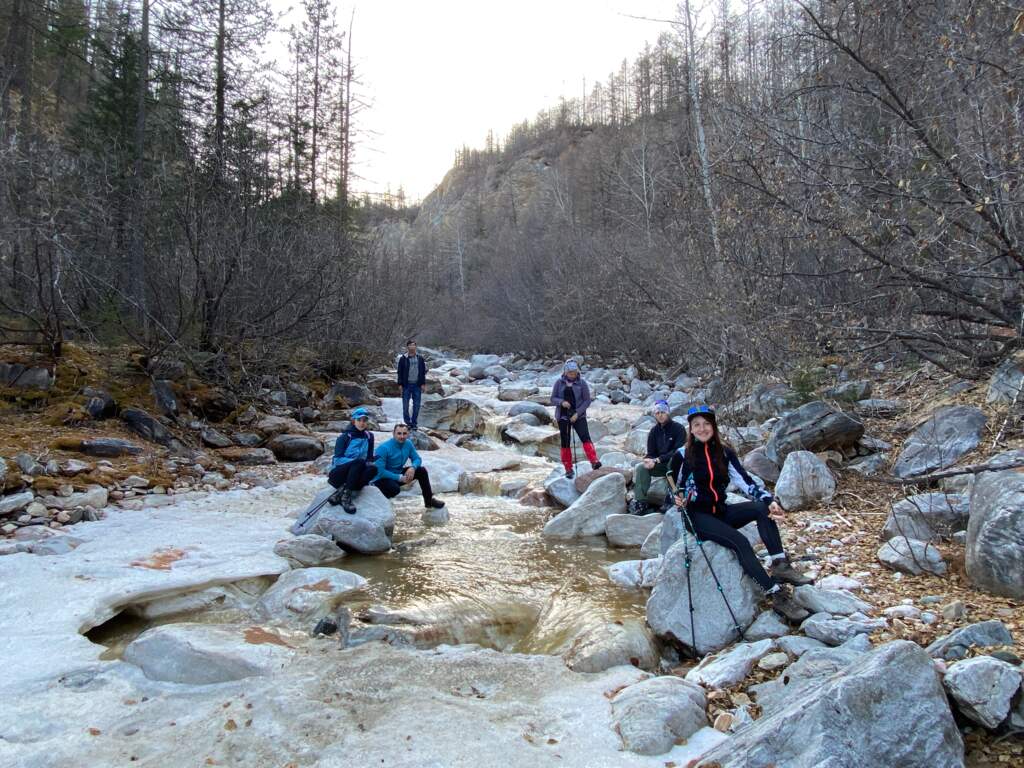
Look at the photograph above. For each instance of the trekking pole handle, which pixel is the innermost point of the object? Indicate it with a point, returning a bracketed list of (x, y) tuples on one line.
[(674, 488)]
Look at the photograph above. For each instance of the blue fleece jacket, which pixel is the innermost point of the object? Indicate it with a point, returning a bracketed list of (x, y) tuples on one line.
[(391, 458)]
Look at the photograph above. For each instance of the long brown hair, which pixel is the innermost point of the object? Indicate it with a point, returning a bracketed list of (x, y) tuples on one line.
[(716, 445)]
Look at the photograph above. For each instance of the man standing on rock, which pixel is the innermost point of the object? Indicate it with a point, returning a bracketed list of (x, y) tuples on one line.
[(352, 466), (412, 375), (665, 438), (571, 397), (392, 472)]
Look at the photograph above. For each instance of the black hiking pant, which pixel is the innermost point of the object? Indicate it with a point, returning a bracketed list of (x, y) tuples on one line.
[(722, 528), (353, 475), (391, 488), (582, 431)]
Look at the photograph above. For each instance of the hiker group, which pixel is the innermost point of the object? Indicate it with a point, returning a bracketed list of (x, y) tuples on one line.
[(699, 468), (698, 464)]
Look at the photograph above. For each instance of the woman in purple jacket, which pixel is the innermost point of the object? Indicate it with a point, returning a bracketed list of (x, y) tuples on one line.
[(570, 395)]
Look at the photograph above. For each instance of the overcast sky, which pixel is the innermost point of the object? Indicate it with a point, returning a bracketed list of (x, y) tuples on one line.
[(439, 73)]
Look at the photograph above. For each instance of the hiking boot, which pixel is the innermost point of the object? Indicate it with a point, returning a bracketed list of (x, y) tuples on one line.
[(346, 501), (595, 465), (335, 498), (569, 474), (434, 504), (637, 507), (784, 605), (783, 570)]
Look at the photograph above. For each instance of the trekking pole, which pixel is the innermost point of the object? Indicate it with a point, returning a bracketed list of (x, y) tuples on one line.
[(318, 507), (687, 562), (687, 520), (572, 438)]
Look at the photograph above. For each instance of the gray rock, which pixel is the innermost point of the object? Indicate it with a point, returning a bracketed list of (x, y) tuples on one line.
[(367, 532), (761, 465), (668, 609), (983, 688), (15, 502), (300, 595), (452, 414), (765, 401), (927, 517), (1006, 383), (814, 665), (729, 667), (201, 654), (295, 447), (655, 714), (888, 708), (834, 601), (636, 441), (349, 394), (766, 625), (586, 516), (869, 465), (797, 645), (671, 530), (28, 465), (272, 426), (145, 425), (836, 630), (812, 427), (611, 644), (513, 391), (250, 457), (214, 439), (940, 441), (309, 550), (163, 395), (651, 547), (983, 634), (911, 556), (635, 574), (995, 533), (497, 372), (630, 530), (109, 447), (25, 377), (850, 391), (533, 408), (93, 496), (99, 404), (805, 481), (561, 489)]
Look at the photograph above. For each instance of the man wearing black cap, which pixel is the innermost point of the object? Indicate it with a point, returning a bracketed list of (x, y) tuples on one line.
[(665, 438), (412, 375)]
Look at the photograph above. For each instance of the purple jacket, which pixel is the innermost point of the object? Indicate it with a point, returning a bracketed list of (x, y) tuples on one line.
[(581, 394)]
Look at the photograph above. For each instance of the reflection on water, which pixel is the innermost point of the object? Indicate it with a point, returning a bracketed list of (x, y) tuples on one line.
[(490, 569)]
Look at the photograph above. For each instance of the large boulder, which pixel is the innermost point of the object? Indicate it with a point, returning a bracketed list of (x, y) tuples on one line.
[(765, 401), (585, 479), (296, 447), (655, 714), (983, 689), (201, 654), (630, 530), (940, 441), (927, 517), (99, 403), (759, 464), (272, 426), (668, 609), (349, 394), (561, 489), (308, 550), (805, 481), (586, 516), (636, 441), (25, 377), (612, 644), (302, 594), (995, 533), (813, 427), (837, 630), (452, 414), (815, 663), (1006, 383), (145, 425), (247, 456), (887, 708), (107, 447), (478, 365), (367, 532), (528, 406), (94, 496), (518, 432), (911, 556)]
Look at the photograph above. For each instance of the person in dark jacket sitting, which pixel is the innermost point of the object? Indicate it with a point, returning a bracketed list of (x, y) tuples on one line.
[(665, 438), (392, 472), (412, 375), (703, 469), (352, 466), (571, 396)]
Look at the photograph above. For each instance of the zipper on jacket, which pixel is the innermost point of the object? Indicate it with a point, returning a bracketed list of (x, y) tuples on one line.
[(711, 472)]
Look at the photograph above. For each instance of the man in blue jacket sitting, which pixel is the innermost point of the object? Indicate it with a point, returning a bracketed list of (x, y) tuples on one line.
[(392, 472)]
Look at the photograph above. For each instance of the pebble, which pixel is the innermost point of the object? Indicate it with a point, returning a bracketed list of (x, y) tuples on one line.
[(9, 528), (63, 516), (928, 617), (903, 612), (65, 491), (134, 481), (36, 509), (931, 599)]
